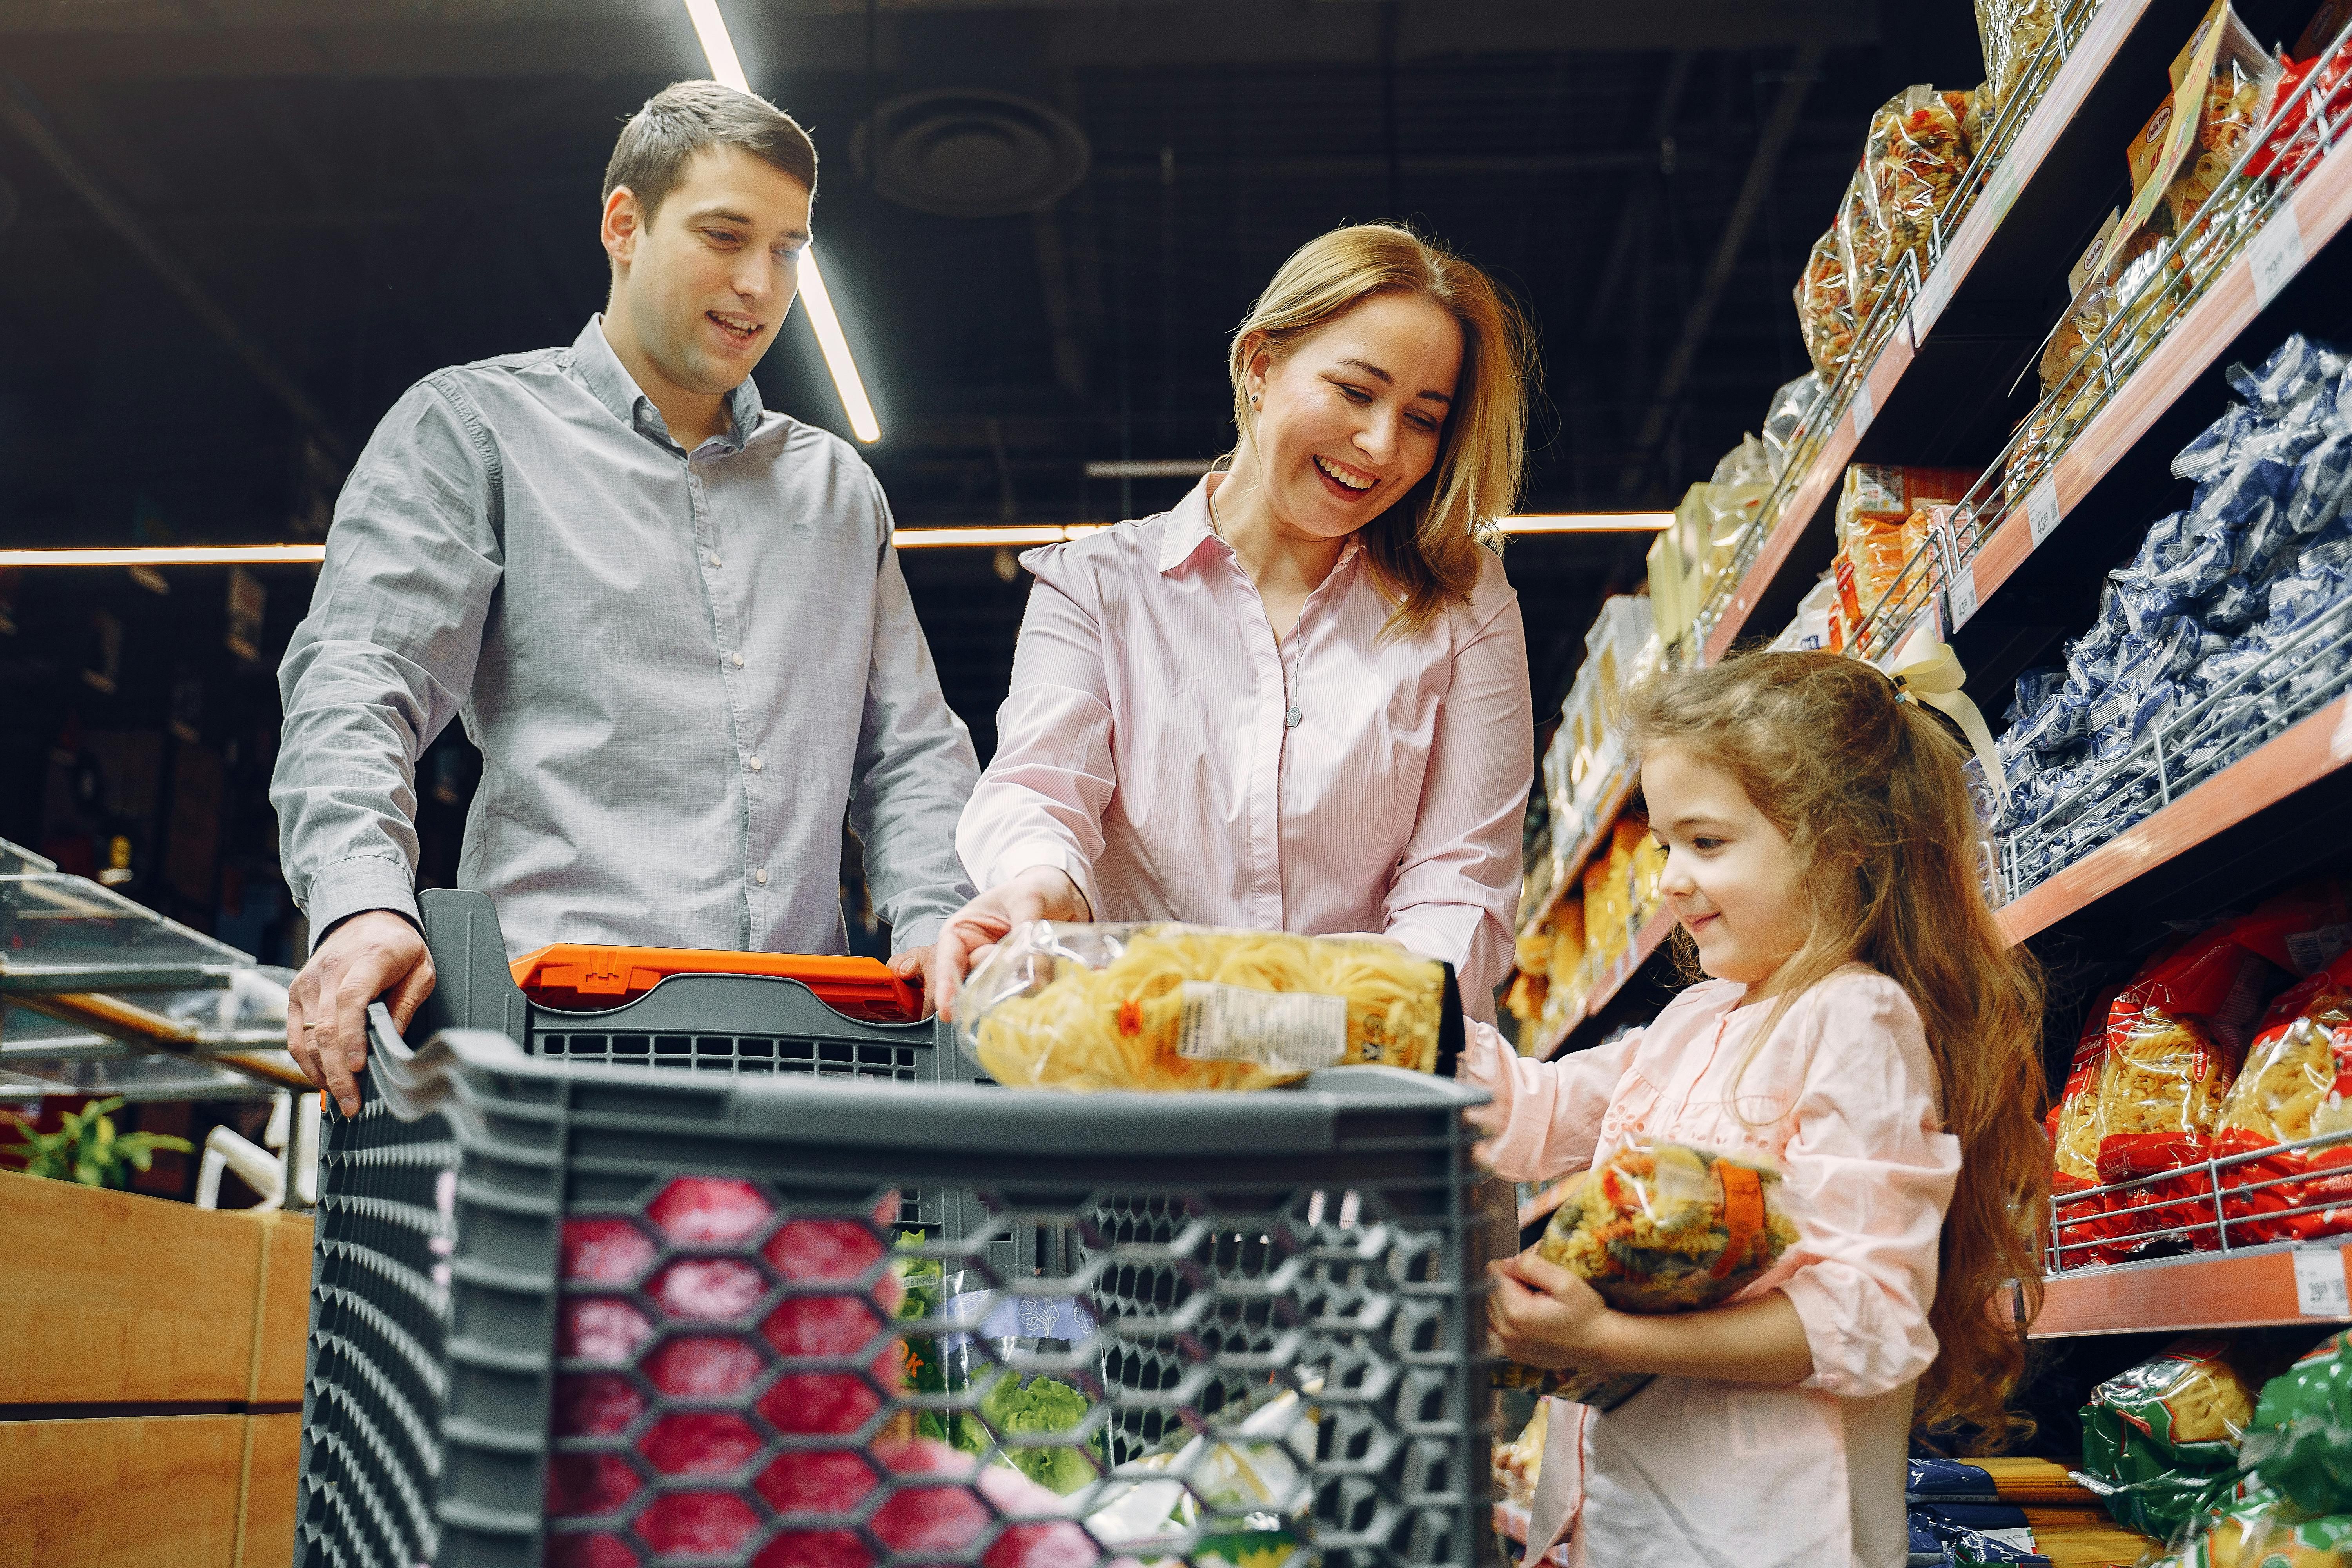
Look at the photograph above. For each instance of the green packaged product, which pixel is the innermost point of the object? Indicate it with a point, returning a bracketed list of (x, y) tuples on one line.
[(2158, 1436), (2300, 1438)]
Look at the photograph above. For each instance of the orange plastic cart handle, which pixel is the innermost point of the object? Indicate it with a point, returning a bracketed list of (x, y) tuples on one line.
[(579, 975)]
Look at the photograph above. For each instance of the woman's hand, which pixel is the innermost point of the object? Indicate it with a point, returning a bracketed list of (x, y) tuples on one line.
[(1544, 1316), (971, 933)]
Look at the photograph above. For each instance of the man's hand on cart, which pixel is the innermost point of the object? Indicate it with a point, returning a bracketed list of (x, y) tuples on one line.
[(971, 933), (373, 953), (913, 965)]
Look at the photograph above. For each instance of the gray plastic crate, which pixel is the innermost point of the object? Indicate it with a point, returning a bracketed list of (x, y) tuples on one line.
[(636, 1371)]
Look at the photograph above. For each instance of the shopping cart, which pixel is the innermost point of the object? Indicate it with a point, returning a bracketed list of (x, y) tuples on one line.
[(580, 1312)]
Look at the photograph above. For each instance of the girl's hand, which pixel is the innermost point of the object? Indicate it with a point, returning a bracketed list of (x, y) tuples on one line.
[(1544, 1316)]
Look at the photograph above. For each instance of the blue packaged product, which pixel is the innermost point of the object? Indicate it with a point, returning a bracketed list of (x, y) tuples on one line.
[(1927, 1546), (1948, 1480), (1967, 1549), (2215, 445), (2297, 369), (2238, 603), (2004, 1520), (2035, 688), (2325, 474)]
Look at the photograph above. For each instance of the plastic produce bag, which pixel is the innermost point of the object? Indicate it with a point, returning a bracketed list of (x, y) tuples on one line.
[(1168, 1006), (1659, 1227), (2157, 1435)]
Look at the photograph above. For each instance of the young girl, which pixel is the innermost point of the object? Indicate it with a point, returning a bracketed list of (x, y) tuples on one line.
[(1865, 1028)]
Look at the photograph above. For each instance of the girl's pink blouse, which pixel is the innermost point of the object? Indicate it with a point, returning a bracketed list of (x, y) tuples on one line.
[(1148, 748), (1843, 1097)]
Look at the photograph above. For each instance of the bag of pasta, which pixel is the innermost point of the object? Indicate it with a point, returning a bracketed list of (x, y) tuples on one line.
[(2157, 1436), (2075, 1128), (1826, 308), (1655, 1228), (1917, 155), (2299, 1436), (1862, 245), (1168, 1006)]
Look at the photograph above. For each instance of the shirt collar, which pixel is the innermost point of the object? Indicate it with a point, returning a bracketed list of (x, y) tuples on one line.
[(608, 380), (1190, 525)]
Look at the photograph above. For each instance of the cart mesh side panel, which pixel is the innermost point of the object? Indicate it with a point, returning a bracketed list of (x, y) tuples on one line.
[(378, 1378), (689, 1322)]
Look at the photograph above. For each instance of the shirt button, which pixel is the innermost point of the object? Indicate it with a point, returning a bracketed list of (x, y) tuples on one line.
[(738, 661), (755, 764), (716, 561), (761, 876)]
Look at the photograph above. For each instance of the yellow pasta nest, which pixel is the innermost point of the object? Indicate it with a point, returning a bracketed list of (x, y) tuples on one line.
[(1119, 1025)]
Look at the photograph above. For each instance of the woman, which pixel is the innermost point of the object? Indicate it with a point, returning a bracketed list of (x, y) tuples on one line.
[(1299, 701)]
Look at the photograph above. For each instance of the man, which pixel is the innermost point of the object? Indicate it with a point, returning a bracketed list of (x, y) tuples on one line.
[(674, 624)]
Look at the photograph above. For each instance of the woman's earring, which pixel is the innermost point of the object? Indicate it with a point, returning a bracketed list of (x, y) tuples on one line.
[(1253, 400)]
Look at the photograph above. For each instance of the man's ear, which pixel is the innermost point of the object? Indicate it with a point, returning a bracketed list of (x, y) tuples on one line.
[(623, 226)]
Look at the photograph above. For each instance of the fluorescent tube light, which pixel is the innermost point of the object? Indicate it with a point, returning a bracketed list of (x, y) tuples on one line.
[(710, 28), (1149, 468), (999, 537), (1590, 522), (171, 555)]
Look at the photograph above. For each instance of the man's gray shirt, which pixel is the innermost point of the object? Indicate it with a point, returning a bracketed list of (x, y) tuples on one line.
[(681, 671)]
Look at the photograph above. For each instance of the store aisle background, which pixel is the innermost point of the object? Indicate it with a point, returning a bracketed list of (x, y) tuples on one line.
[(369, 191)]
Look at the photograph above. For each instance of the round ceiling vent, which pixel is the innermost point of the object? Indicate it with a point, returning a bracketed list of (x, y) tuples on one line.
[(970, 152)]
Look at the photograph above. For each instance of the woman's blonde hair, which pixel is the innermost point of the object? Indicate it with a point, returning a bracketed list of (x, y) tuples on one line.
[(1425, 547), (1869, 791)]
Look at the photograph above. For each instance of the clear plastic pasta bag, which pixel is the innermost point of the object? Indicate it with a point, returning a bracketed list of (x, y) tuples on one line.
[(1162, 1006), (1659, 1227)]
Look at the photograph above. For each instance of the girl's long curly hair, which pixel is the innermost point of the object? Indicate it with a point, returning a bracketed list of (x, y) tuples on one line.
[(1868, 789)]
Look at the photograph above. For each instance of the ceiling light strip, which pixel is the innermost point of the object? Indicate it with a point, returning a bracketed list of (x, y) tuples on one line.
[(719, 48), (1589, 523), (171, 555)]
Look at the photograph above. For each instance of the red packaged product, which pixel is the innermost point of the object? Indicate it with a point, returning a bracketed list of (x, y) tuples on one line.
[(2182, 1202), (2075, 1128)]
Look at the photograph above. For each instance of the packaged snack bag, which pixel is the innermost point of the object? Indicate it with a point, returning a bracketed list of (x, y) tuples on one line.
[(1170, 1007), (2013, 33), (2157, 1436), (1659, 1227)]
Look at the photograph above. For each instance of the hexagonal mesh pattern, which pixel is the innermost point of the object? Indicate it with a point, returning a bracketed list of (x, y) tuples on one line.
[(692, 1321)]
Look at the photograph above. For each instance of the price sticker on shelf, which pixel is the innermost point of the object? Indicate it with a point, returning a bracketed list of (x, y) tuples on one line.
[(2276, 256), (2319, 1284), (1865, 410), (1935, 293), (2001, 191), (2041, 513), (1963, 596)]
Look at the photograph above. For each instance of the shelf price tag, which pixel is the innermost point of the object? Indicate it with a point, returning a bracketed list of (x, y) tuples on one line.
[(1935, 293), (1963, 596), (2001, 191), (2041, 513), (1865, 410), (2276, 256), (2319, 1284)]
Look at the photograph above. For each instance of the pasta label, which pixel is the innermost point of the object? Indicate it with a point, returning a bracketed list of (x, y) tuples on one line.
[(1294, 1032), (1743, 1214)]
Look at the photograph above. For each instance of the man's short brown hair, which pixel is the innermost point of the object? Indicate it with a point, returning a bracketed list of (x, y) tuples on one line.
[(689, 117)]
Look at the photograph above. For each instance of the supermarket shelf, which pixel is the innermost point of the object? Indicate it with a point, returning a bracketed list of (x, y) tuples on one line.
[(2311, 751), (2316, 212), (1644, 943), (1613, 796), (2246, 1290), (2053, 174)]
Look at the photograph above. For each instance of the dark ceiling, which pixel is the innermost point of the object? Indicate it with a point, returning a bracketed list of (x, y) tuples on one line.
[(232, 231)]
